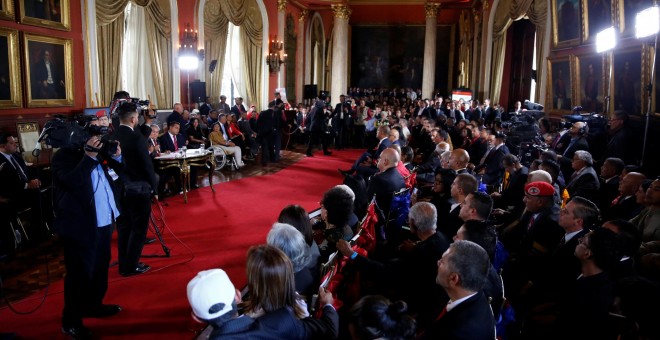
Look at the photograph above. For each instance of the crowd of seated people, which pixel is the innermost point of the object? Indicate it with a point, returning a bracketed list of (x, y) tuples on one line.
[(567, 245)]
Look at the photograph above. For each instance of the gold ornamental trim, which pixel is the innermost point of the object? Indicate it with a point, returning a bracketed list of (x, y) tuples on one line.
[(341, 11), (303, 15), (281, 5), (485, 5), (431, 9)]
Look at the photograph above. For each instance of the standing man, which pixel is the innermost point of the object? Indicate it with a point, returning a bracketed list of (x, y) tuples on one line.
[(86, 206), (139, 183), (462, 271), (278, 120), (206, 107), (223, 107), (149, 116), (340, 121), (318, 128), (266, 134), (238, 108)]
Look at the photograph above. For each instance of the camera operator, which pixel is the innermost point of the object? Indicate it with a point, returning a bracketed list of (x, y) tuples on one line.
[(567, 146), (139, 182), (149, 115), (86, 208)]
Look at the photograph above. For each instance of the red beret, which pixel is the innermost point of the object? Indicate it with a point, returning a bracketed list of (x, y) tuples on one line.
[(100, 113), (539, 189)]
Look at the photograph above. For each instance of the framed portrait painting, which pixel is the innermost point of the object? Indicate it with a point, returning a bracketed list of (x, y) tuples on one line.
[(7, 9), (597, 15), (48, 71), (565, 23), (46, 13), (630, 10), (560, 84), (627, 82), (10, 75), (591, 83)]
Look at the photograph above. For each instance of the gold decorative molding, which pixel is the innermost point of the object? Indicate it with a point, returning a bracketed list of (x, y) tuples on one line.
[(303, 15), (485, 6), (431, 9), (341, 11), (281, 5), (476, 15)]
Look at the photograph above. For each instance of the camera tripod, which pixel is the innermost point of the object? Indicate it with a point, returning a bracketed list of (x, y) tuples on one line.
[(157, 225)]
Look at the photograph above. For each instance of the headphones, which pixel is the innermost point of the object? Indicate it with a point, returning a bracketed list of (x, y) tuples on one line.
[(583, 130)]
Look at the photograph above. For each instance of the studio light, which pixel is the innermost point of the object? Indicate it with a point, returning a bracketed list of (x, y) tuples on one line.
[(606, 39), (647, 22), (188, 62)]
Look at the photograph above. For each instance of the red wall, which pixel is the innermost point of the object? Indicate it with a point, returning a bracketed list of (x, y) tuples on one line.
[(9, 117)]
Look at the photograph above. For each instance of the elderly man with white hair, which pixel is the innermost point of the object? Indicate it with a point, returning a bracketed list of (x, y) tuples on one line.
[(584, 181)]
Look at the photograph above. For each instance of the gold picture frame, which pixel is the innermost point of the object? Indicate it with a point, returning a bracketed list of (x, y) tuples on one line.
[(598, 15), (560, 96), (565, 15), (28, 137), (628, 81), (7, 9), (10, 74), (48, 70), (591, 81), (46, 13)]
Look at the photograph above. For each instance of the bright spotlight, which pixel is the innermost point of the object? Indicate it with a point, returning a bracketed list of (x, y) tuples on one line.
[(647, 22), (188, 62), (606, 39)]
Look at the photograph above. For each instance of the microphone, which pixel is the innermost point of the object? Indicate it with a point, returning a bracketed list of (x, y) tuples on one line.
[(37, 150)]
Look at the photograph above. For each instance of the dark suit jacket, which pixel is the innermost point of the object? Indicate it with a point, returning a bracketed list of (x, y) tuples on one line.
[(74, 195), (167, 144), (562, 272), (383, 185), (472, 319), (12, 185), (237, 111), (494, 167), (138, 164), (569, 152), (280, 324), (607, 192), (205, 109), (266, 123), (585, 185), (625, 209), (514, 193)]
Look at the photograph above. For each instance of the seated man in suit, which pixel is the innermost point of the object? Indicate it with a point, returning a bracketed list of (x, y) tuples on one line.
[(572, 141), (625, 206), (510, 199), (584, 181), (459, 160), (462, 272), (370, 157), (492, 168), (173, 141), (610, 175), (387, 181)]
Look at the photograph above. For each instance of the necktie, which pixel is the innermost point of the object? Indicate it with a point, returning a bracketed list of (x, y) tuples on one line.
[(442, 313), (483, 159), (176, 145), (531, 222), (616, 200), (563, 241), (505, 184), (21, 174)]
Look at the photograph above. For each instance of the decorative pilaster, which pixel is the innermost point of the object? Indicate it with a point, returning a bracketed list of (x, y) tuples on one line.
[(428, 78), (300, 55), (341, 13), (281, 24)]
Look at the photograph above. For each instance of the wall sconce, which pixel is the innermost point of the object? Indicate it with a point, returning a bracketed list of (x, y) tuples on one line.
[(275, 57)]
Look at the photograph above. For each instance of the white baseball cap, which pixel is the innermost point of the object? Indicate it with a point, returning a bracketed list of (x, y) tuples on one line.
[(211, 294)]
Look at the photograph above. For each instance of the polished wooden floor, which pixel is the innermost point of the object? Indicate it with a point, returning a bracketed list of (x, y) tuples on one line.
[(38, 263)]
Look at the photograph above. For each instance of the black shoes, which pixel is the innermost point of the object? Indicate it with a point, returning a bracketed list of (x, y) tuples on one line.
[(140, 269), (102, 311), (77, 332), (345, 172), (327, 153)]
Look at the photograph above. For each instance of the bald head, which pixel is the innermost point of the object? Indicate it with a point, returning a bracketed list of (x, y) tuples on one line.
[(388, 159), (630, 183), (458, 159)]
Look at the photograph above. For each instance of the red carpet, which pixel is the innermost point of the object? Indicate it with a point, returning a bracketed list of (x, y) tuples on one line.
[(211, 231)]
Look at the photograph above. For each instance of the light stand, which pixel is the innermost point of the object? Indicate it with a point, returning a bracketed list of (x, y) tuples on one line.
[(647, 24), (605, 42)]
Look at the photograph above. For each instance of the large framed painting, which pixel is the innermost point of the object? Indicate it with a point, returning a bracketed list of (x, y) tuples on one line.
[(629, 11), (627, 82), (565, 23), (48, 71), (46, 13), (597, 15), (7, 9), (591, 82), (560, 84), (10, 75)]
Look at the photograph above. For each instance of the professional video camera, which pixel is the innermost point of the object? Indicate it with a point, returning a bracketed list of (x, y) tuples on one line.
[(60, 133), (597, 123), (142, 105), (523, 134)]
